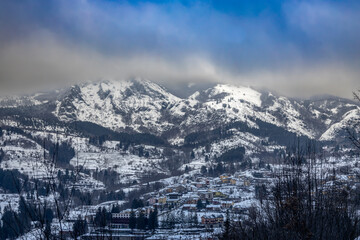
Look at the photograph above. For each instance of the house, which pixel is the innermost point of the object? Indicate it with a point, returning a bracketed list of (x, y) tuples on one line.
[(121, 219), (173, 197), (220, 194), (246, 183), (162, 200), (205, 195), (227, 204), (200, 184), (225, 178), (213, 207), (243, 206), (191, 200), (152, 200), (212, 220), (169, 190), (180, 189), (189, 207), (158, 201)]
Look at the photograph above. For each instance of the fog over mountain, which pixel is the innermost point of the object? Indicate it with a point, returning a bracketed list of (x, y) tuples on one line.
[(296, 48)]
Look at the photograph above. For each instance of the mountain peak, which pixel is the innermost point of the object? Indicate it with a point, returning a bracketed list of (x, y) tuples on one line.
[(126, 88), (143, 106)]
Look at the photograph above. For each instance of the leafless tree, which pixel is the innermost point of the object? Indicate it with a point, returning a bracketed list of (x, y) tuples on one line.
[(306, 202), (354, 129), (38, 208)]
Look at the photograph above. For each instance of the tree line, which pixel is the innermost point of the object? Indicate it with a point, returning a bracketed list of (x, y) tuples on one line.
[(305, 202)]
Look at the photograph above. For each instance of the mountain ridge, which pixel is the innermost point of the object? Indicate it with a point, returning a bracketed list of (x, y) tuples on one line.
[(139, 105), (138, 129)]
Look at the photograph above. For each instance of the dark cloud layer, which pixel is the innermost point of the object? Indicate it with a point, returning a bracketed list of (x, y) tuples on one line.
[(298, 48)]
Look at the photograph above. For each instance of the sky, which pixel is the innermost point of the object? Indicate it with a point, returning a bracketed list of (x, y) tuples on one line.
[(296, 48)]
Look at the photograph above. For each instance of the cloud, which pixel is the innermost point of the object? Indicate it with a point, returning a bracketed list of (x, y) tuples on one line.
[(327, 29), (295, 47), (45, 61)]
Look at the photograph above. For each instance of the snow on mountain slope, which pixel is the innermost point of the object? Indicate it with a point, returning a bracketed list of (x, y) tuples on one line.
[(245, 104), (142, 106), (329, 110), (145, 107), (245, 94), (22, 154), (15, 101), (27, 156), (110, 155), (250, 142), (349, 118), (39, 98), (117, 105), (286, 113)]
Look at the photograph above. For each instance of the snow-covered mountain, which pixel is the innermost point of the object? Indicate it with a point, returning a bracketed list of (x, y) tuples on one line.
[(136, 104), (138, 129), (144, 107)]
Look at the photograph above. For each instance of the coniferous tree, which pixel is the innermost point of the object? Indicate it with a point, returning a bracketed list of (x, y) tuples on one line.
[(153, 220), (141, 221), (199, 204), (203, 170), (47, 231), (226, 230), (195, 219), (192, 155), (2, 154), (132, 220), (115, 208), (25, 213), (79, 227), (11, 227), (101, 218)]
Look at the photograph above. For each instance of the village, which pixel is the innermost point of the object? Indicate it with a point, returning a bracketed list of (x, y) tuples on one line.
[(189, 207), (194, 206)]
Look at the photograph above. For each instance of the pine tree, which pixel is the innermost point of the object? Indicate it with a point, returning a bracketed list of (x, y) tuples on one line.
[(203, 170), (192, 155), (24, 213), (199, 204), (11, 227), (132, 220), (195, 219), (115, 208), (2, 154), (79, 227), (47, 231), (137, 204), (141, 221), (153, 220), (226, 231), (49, 215), (101, 217)]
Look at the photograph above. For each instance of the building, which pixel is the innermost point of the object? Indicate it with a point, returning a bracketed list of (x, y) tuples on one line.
[(173, 197), (212, 220), (214, 207), (227, 204), (120, 220), (189, 207), (225, 179)]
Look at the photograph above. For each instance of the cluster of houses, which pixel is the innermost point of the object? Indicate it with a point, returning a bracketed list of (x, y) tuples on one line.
[(198, 206), (209, 199)]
